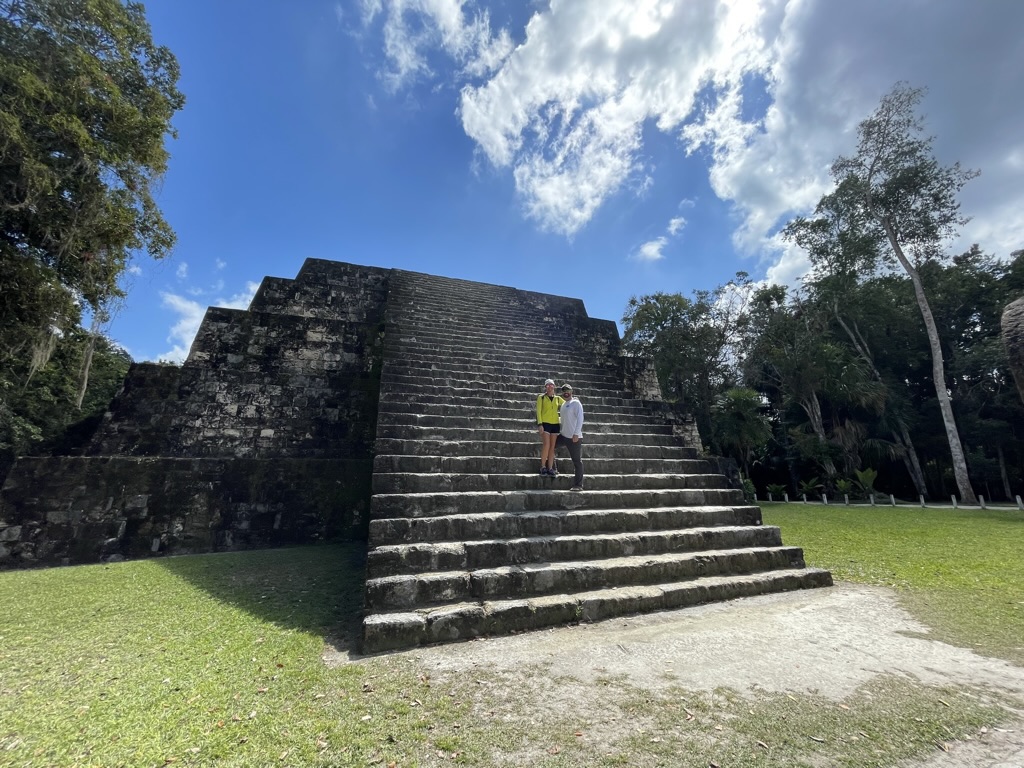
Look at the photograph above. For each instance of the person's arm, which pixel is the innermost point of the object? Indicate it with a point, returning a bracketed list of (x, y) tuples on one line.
[(577, 433), (540, 427)]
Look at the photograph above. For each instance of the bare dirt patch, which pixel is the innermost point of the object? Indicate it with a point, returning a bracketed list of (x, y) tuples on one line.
[(826, 642)]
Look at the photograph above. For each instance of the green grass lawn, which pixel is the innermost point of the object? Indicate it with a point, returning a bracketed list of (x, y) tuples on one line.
[(961, 572), (216, 660)]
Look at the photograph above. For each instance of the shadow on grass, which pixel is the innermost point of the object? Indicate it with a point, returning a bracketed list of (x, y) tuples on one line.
[(316, 589)]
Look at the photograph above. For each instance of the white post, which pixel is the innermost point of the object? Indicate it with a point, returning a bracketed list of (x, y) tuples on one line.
[(1019, 504), (785, 497), (872, 495), (770, 496), (981, 501), (846, 499), (824, 499), (954, 500), (804, 497), (892, 500), (922, 500)]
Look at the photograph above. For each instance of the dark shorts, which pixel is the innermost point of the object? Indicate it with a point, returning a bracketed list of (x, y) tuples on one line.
[(551, 429)]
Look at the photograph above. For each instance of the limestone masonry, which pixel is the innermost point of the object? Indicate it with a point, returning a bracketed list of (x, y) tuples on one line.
[(397, 407)]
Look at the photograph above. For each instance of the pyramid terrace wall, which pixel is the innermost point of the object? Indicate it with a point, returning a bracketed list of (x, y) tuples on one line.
[(264, 436)]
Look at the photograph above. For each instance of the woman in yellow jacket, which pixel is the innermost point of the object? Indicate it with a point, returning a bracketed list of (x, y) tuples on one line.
[(547, 425)]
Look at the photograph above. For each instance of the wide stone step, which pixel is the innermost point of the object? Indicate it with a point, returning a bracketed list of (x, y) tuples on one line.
[(460, 621), (508, 387), (526, 369), (465, 304), (511, 337), (472, 396), (593, 434), (525, 445), (511, 381), (529, 465), (558, 522), (404, 559), (486, 406), (434, 504), (527, 419), (511, 349), (492, 354), (530, 579), (446, 482), (497, 320)]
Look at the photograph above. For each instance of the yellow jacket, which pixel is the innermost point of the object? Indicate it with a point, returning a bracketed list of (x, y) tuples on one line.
[(547, 409)]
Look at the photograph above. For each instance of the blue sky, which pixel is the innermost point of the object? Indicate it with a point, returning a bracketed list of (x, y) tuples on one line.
[(598, 149)]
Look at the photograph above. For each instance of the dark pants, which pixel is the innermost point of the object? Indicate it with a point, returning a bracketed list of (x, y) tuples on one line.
[(576, 454)]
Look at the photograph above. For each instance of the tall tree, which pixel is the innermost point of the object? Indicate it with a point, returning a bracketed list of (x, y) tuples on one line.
[(690, 341), (86, 100), (843, 247), (740, 425), (895, 181)]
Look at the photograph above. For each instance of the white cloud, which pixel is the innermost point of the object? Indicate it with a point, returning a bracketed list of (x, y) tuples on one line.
[(769, 91), (219, 264), (134, 269), (182, 271), (651, 250), (466, 38), (675, 226), (190, 316), (567, 108)]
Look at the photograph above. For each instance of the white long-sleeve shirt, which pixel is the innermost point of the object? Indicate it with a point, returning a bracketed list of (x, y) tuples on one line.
[(571, 414)]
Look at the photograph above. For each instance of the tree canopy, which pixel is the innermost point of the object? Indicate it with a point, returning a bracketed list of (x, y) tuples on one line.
[(86, 102)]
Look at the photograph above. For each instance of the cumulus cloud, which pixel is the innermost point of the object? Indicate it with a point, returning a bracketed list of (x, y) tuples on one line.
[(190, 315), (651, 250), (182, 271), (675, 226), (768, 91), (408, 41)]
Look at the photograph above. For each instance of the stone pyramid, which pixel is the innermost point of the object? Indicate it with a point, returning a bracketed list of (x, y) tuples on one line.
[(398, 407)]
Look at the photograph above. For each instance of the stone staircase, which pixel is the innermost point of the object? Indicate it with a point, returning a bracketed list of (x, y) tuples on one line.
[(466, 539)]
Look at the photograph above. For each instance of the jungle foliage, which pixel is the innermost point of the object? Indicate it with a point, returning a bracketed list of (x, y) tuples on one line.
[(86, 101), (888, 357)]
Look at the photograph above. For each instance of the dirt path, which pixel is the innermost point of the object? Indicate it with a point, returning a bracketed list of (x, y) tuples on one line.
[(828, 642)]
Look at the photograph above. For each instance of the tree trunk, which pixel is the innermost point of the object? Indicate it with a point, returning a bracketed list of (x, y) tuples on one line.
[(812, 407), (83, 377), (902, 436), (1002, 472), (963, 481), (911, 460)]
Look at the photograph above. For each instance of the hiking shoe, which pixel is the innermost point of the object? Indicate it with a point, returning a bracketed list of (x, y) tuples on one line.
[(543, 471), (553, 472), (576, 488)]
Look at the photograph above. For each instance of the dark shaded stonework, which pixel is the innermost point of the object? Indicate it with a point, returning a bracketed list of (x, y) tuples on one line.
[(399, 408), (263, 436)]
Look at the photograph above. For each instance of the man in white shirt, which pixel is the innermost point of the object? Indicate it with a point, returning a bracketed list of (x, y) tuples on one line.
[(571, 436)]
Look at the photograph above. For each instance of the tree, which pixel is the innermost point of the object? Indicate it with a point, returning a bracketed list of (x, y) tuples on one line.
[(790, 356), (690, 342), (86, 100), (895, 182), (739, 425), (843, 247)]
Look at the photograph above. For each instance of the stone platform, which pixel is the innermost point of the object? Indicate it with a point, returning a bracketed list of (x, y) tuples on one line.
[(356, 402)]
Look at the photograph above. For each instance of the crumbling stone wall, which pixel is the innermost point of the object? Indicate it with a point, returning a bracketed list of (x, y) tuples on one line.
[(263, 436)]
